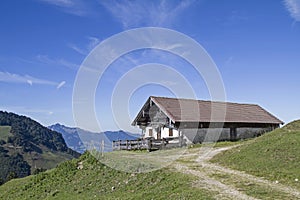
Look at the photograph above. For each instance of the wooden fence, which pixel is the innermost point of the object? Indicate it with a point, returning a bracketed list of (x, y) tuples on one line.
[(148, 144)]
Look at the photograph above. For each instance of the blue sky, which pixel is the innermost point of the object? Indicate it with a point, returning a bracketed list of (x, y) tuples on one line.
[(255, 45)]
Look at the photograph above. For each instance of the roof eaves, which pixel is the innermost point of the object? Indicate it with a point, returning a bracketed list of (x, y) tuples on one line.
[(140, 112), (271, 115)]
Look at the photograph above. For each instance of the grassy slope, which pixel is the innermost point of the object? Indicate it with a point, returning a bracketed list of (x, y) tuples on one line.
[(275, 155), (5, 132), (46, 160), (95, 181)]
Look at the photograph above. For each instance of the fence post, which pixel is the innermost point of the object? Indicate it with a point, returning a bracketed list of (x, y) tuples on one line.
[(162, 143), (102, 147), (149, 146), (180, 138)]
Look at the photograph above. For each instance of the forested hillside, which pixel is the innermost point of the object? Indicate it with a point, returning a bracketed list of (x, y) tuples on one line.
[(28, 147)]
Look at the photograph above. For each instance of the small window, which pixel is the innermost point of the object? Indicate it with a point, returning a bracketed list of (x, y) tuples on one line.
[(170, 132), (150, 132)]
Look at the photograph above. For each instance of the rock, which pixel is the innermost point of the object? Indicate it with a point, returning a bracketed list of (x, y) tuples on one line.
[(80, 165)]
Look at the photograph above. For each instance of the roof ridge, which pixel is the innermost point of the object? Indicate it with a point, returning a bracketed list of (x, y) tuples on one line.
[(190, 99)]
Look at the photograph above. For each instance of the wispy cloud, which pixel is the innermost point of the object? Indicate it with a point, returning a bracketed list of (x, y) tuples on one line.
[(47, 112), (60, 84), (17, 78), (25, 110), (146, 13), (92, 43), (293, 6), (75, 7), (51, 61), (61, 3), (236, 17), (229, 60), (131, 13), (78, 49)]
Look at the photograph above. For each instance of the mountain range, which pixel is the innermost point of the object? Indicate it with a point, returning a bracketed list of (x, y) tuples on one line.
[(80, 140), (27, 147)]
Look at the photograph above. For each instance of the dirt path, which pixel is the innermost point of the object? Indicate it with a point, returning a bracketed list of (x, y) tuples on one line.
[(199, 166), (224, 191)]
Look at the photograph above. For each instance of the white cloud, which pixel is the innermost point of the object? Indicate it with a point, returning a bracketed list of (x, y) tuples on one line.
[(29, 82), (293, 6), (16, 78), (229, 60), (50, 61), (78, 49), (146, 13), (61, 3), (92, 43), (61, 84), (75, 7), (131, 13), (26, 111)]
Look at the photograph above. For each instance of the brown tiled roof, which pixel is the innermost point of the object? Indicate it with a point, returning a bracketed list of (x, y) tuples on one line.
[(189, 110)]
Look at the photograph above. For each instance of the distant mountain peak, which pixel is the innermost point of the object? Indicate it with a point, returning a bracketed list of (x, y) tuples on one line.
[(80, 139)]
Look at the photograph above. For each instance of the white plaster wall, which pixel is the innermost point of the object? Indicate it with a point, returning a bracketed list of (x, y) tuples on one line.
[(165, 133)]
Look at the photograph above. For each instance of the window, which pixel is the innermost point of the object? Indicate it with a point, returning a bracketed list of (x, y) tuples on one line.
[(170, 132), (158, 133), (150, 132)]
